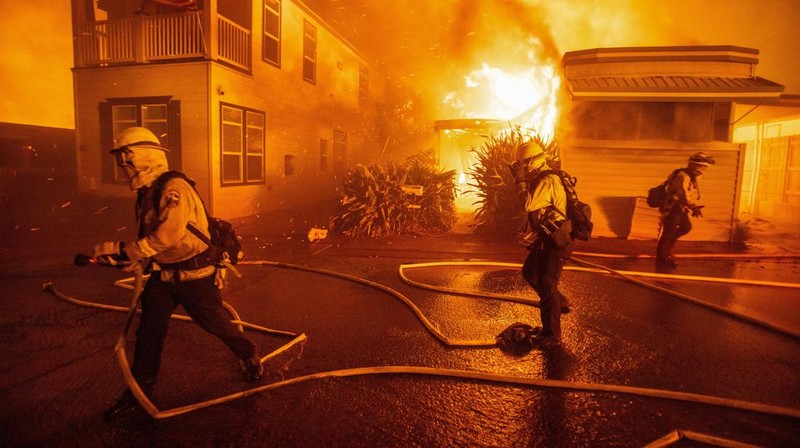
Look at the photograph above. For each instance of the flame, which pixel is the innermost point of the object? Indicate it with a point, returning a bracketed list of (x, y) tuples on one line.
[(526, 98)]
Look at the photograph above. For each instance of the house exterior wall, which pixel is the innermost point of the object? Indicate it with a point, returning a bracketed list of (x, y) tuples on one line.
[(618, 150), (185, 82), (299, 115), (614, 176)]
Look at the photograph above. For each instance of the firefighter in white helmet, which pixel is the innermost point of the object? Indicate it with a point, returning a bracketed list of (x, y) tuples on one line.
[(545, 201), (683, 190), (183, 267)]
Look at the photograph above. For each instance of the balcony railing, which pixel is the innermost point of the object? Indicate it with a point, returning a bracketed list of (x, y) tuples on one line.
[(236, 50), (143, 39)]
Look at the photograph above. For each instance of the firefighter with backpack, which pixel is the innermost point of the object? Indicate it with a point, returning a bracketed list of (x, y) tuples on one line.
[(544, 200), (183, 266), (682, 196)]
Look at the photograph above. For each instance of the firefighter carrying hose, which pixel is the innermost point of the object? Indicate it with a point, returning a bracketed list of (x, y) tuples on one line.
[(683, 194), (183, 268)]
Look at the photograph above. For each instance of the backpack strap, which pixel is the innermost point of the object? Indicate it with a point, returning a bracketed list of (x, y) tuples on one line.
[(674, 173), (158, 185), (568, 190), (158, 190), (567, 182), (198, 233)]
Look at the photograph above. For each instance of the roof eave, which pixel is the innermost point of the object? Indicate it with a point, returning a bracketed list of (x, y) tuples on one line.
[(674, 96)]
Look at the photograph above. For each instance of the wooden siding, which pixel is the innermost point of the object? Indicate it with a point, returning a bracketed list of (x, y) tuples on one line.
[(613, 174), (186, 82), (298, 115)]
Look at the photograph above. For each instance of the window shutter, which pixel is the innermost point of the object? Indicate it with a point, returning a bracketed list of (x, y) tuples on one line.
[(107, 161), (174, 129)]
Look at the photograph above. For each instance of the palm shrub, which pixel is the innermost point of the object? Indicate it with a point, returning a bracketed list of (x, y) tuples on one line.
[(499, 211), (437, 210), (373, 203)]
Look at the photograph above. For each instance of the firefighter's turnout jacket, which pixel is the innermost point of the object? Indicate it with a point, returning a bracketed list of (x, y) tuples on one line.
[(548, 192), (163, 235), (683, 189)]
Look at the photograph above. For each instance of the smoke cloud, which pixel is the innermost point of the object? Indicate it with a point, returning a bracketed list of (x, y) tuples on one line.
[(434, 45)]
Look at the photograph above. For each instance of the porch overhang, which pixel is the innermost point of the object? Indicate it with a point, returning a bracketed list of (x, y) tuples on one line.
[(722, 73), (673, 88)]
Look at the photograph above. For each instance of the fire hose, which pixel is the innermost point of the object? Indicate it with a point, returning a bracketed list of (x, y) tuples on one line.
[(626, 275), (155, 413)]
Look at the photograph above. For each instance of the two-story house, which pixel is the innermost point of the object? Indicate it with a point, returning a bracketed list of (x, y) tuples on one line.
[(260, 101)]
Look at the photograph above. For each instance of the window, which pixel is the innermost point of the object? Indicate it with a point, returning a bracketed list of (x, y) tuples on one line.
[(323, 155), (339, 153), (242, 145), (272, 32), (288, 165), (363, 86), (158, 114), (309, 53)]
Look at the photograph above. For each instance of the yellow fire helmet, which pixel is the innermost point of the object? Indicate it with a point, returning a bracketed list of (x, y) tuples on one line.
[(531, 153)]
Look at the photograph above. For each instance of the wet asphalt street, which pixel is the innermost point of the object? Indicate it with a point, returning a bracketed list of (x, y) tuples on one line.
[(59, 371)]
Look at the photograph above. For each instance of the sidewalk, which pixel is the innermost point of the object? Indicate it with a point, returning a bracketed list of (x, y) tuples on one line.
[(293, 225), (83, 222)]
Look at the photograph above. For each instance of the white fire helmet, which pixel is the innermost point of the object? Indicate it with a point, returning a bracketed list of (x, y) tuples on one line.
[(532, 153), (139, 152)]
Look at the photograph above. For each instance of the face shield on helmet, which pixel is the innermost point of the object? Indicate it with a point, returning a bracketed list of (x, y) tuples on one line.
[(139, 152)]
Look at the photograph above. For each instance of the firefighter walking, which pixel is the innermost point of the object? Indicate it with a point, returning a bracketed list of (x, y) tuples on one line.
[(184, 269), (683, 196), (545, 201)]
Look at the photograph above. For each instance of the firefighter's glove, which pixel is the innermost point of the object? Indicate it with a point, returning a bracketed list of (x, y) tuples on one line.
[(111, 253), (697, 211), (220, 279)]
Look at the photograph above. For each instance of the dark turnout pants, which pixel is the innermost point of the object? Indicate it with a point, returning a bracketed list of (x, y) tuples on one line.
[(203, 303), (674, 225), (542, 270)]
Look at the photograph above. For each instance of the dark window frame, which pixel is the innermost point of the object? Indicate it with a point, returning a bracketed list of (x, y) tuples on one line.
[(244, 156), (339, 152), (309, 52), (110, 172), (271, 8), (323, 155)]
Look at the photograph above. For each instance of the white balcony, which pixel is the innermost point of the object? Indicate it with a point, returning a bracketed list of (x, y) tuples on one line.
[(144, 39)]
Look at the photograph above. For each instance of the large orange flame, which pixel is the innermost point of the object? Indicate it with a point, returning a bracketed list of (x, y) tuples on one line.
[(526, 98)]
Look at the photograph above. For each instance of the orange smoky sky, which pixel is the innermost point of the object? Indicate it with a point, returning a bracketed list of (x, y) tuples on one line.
[(433, 45), (36, 42)]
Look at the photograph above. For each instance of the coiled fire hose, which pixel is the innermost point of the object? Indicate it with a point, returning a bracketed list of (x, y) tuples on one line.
[(155, 413)]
